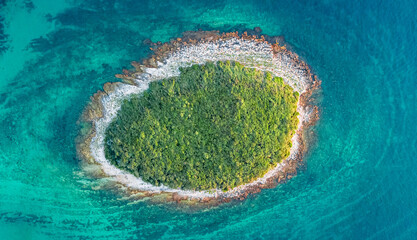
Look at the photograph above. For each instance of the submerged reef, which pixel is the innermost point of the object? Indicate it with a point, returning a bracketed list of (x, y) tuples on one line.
[(198, 50)]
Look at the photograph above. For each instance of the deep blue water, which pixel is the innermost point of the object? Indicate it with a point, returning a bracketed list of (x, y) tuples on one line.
[(360, 177)]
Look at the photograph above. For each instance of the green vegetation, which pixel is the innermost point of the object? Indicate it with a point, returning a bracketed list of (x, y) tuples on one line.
[(215, 126)]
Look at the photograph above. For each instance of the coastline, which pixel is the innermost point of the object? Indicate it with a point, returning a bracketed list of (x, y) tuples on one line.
[(198, 48)]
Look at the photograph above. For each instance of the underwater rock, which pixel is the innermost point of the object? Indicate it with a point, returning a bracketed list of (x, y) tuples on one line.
[(147, 41), (258, 30)]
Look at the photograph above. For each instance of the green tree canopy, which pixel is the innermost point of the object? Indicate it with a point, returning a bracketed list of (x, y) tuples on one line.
[(214, 126)]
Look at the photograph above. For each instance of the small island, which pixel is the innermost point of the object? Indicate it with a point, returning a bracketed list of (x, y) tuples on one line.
[(206, 118), (214, 126)]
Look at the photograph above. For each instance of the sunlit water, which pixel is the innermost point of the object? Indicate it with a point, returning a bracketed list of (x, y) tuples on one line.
[(359, 179)]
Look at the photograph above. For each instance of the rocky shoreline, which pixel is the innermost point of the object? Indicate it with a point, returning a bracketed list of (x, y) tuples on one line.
[(258, 51)]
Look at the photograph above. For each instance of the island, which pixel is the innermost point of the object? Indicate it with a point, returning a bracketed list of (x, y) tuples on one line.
[(208, 116), (214, 126)]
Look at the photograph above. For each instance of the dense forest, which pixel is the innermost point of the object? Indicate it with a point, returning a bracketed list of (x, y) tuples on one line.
[(217, 125)]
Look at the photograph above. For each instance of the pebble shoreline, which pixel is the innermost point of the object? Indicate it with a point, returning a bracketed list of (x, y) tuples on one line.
[(198, 48)]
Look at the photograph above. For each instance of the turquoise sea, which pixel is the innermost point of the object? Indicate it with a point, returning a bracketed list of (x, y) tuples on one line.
[(359, 180)]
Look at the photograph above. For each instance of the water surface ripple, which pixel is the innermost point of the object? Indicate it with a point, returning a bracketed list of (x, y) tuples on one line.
[(358, 181)]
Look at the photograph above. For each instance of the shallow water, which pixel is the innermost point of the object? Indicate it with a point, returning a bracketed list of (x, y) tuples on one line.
[(359, 178)]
